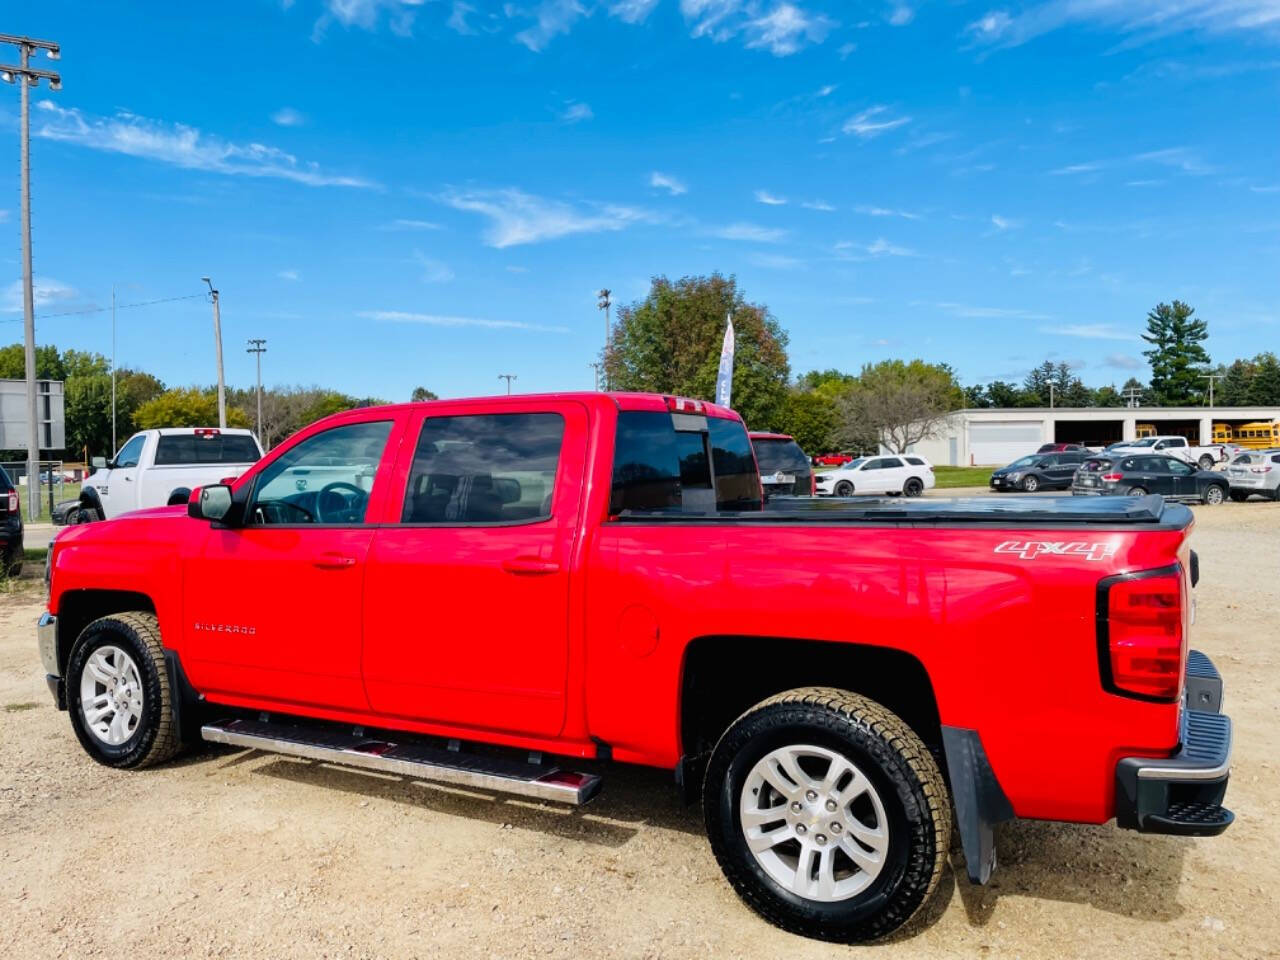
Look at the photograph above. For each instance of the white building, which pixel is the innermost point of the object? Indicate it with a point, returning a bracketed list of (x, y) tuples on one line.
[(994, 437)]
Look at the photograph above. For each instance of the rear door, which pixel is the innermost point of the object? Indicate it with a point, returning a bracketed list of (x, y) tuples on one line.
[(1065, 468), (467, 593)]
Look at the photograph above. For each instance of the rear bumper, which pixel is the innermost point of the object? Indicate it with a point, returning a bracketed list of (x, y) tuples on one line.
[(1182, 794)]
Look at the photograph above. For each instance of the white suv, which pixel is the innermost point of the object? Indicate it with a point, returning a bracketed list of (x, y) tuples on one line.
[(908, 474)]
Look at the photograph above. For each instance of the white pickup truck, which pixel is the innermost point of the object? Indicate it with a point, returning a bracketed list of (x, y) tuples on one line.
[(1174, 446), (158, 467)]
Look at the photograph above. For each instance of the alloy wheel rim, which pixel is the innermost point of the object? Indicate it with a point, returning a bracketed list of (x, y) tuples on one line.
[(111, 695), (814, 823)]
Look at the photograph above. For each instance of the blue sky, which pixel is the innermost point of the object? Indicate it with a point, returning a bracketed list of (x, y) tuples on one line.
[(398, 193)]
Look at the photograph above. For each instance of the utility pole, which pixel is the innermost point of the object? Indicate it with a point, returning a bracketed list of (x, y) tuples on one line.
[(1211, 377), (1052, 388), (26, 77), (608, 332), (1133, 395), (507, 377), (259, 347), (597, 367), (113, 370), (217, 340)]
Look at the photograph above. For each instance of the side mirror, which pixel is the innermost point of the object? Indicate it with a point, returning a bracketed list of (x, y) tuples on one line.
[(98, 463), (210, 503)]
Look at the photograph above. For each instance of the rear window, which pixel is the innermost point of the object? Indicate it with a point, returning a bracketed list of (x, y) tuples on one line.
[(1096, 465), (189, 448), (657, 468), (780, 455)]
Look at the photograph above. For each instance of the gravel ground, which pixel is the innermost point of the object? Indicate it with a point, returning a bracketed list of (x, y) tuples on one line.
[(242, 854)]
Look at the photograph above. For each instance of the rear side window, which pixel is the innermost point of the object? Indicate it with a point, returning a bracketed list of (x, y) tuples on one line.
[(737, 482), (1276, 458), (646, 468), (484, 468), (207, 448), (915, 461)]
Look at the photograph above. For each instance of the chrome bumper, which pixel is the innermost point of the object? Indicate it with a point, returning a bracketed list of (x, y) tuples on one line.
[(47, 637)]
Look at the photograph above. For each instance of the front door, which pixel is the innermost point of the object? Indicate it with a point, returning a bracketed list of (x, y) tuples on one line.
[(120, 493), (1184, 482), (1160, 478), (468, 596), (272, 607)]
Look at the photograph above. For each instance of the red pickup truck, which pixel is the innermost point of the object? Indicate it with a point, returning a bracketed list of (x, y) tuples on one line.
[(464, 590)]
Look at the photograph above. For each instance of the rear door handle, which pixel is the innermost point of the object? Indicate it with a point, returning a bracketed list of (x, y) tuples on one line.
[(334, 561), (530, 565)]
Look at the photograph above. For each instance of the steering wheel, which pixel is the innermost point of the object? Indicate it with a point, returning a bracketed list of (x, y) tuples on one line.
[(349, 503)]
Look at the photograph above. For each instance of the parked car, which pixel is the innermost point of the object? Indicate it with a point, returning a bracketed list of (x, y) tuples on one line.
[(1039, 471), (11, 555), (1257, 471), (784, 469), (833, 678), (1059, 447), (1175, 446), (833, 459), (155, 468), (1134, 476), (909, 475)]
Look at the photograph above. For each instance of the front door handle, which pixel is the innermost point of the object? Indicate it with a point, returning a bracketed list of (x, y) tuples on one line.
[(334, 561), (530, 565)]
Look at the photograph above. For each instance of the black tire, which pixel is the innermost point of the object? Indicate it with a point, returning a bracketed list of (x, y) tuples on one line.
[(155, 738), (1031, 484), (901, 770), (12, 560), (1240, 496), (1136, 492), (913, 487), (86, 515), (844, 489), (1213, 495), (1206, 462)]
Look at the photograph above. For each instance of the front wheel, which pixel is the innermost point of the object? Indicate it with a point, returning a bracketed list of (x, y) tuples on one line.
[(1214, 495), (118, 692), (827, 814), (1031, 484), (1207, 462), (1239, 496), (913, 487), (844, 489)]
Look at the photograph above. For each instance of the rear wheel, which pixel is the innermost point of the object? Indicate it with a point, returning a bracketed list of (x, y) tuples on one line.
[(1214, 494), (11, 562), (1031, 484), (844, 489), (913, 487), (1239, 496), (1136, 491), (827, 814), (1206, 462)]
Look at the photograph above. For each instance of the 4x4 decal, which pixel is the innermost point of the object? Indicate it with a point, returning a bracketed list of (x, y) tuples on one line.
[(1033, 549)]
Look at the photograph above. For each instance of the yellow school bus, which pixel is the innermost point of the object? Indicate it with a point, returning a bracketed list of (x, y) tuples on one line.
[(1259, 435), (1146, 430)]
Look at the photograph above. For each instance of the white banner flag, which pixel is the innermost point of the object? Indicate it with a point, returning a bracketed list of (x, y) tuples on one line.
[(724, 382)]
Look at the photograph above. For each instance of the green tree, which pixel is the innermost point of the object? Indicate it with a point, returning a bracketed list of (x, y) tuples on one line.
[(976, 398), (1107, 396), (1177, 355), (1003, 394), (420, 394), (900, 403), (812, 419), (1264, 386), (13, 363), (186, 407), (669, 342)]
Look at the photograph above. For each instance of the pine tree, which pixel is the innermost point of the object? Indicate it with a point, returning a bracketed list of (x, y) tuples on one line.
[(1177, 355)]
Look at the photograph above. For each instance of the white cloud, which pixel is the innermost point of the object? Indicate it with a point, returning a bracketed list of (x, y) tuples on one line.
[(785, 29), (410, 225), (827, 91), (775, 261), (552, 17), (1256, 188), (1141, 19), (889, 212), (1123, 361), (182, 146), (44, 291), (292, 275), (1144, 183), (367, 15), (576, 113), (665, 181), (632, 11), (1180, 158), (750, 232), (1089, 331), (439, 320), (901, 15), (1004, 223), (457, 21), (883, 247), (846, 49), (710, 17), (865, 124), (433, 271), (769, 199), (821, 205), (4, 215), (518, 218), (1090, 167), (968, 311), (288, 117)]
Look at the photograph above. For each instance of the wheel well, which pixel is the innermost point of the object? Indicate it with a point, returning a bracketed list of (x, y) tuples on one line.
[(178, 495), (79, 608), (725, 676)]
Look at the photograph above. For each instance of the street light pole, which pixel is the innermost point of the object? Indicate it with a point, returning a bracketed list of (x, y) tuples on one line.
[(217, 340), (258, 346), (26, 77), (608, 333), (508, 377), (113, 370)]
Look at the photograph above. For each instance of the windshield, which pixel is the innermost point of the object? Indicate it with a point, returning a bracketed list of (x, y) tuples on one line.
[(1025, 462), (784, 455), (1148, 442), (854, 464)]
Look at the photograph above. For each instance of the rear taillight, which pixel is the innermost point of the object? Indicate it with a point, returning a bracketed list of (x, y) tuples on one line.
[(1259, 469), (1141, 641), (813, 484), (1112, 477), (13, 501)]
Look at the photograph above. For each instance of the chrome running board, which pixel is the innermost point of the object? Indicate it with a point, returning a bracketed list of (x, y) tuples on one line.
[(420, 760)]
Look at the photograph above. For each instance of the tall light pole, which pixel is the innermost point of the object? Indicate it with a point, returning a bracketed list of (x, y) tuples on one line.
[(26, 77), (259, 347), (217, 340), (597, 367), (1211, 377), (113, 370), (608, 333), (508, 377)]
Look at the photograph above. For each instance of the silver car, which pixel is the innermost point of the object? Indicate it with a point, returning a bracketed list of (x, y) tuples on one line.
[(1255, 471)]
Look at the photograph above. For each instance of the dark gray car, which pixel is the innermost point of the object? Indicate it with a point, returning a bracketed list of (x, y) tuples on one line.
[(1039, 471), (1136, 475)]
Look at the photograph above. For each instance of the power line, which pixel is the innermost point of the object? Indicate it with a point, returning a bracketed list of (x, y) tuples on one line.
[(119, 306)]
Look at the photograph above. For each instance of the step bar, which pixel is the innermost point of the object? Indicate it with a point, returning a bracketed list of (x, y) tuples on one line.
[(423, 761)]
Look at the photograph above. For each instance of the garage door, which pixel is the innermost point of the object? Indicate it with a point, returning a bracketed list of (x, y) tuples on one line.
[(995, 444)]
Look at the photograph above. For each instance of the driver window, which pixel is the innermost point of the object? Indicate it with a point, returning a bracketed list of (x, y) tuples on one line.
[(130, 452), (326, 478)]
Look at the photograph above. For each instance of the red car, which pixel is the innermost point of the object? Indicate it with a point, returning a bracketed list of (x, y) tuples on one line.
[(411, 589), (1059, 447), (832, 459)]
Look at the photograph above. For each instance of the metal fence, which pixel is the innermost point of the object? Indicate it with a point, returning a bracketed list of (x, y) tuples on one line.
[(51, 479)]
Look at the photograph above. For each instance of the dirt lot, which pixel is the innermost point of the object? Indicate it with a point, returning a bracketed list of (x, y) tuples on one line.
[(248, 855)]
